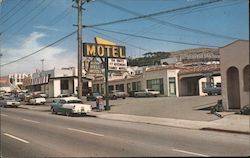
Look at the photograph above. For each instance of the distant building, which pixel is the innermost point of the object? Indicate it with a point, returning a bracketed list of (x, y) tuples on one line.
[(16, 79), (58, 81), (5, 84), (196, 56), (235, 74), (13, 82)]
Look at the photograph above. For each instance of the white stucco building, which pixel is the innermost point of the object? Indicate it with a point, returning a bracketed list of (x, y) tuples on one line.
[(58, 81)]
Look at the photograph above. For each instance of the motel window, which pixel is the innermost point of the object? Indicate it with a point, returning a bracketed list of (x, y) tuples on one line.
[(96, 88), (102, 88), (156, 84), (64, 84), (136, 86), (120, 87), (128, 87), (111, 88)]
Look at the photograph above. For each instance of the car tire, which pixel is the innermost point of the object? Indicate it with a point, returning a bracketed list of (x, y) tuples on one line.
[(52, 110), (123, 97), (67, 113), (114, 97)]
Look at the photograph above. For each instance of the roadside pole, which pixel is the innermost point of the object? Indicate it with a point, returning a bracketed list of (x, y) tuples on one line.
[(79, 38), (106, 82)]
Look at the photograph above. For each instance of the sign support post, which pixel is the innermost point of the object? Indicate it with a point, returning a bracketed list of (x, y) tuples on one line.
[(106, 82)]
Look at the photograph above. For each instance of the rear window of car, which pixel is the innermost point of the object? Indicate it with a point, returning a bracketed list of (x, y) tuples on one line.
[(74, 101)]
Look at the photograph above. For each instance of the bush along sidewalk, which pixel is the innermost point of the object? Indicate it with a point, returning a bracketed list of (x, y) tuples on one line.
[(245, 110), (217, 108)]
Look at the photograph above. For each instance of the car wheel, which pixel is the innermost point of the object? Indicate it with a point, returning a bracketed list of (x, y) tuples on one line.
[(67, 113), (123, 97), (114, 97), (52, 110)]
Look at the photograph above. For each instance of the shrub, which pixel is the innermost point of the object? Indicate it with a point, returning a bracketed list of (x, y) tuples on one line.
[(218, 107), (245, 110)]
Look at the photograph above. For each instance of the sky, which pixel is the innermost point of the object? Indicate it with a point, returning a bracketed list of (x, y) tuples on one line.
[(29, 25)]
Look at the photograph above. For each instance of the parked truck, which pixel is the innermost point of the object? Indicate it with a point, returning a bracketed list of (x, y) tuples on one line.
[(147, 93), (213, 90)]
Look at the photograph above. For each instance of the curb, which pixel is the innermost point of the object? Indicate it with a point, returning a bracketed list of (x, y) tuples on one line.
[(203, 128), (224, 130)]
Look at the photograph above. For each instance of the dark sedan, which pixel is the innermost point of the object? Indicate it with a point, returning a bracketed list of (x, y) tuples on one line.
[(94, 96)]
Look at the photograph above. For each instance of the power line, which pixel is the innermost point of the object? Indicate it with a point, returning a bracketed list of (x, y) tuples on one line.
[(20, 19), (49, 45), (60, 16), (152, 14), (33, 17), (156, 39), (14, 13), (120, 41), (149, 17), (18, 3)]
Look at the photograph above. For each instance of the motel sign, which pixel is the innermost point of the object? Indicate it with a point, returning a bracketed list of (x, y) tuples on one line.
[(101, 50)]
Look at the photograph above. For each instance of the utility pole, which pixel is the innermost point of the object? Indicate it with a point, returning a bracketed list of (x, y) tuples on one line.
[(79, 38)]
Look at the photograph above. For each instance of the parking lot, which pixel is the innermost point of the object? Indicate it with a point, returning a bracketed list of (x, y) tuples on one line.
[(166, 107)]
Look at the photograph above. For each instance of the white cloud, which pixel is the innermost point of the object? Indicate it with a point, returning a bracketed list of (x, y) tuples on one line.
[(42, 27), (54, 56)]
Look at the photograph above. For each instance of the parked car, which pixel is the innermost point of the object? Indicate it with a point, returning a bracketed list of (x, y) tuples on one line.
[(69, 106), (117, 94), (63, 95), (131, 93), (39, 94), (6, 101), (39, 100), (147, 93), (94, 96)]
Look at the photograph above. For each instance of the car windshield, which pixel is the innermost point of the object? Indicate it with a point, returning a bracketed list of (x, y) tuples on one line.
[(96, 94), (151, 90), (74, 101)]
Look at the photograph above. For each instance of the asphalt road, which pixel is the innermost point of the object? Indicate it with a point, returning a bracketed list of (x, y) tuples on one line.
[(27, 133)]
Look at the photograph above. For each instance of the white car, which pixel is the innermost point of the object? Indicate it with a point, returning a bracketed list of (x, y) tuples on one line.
[(69, 106), (8, 102), (147, 93), (37, 100)]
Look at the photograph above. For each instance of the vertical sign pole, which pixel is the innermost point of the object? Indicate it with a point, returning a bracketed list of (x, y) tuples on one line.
[(106, 82)]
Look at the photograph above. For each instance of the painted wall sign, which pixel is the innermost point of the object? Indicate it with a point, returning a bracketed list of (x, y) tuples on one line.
[(100, 50)]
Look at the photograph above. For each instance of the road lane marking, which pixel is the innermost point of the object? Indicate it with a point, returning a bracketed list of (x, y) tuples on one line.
[(96, 134), (14, 137), (31, 121), (3, 115), (191, 153)]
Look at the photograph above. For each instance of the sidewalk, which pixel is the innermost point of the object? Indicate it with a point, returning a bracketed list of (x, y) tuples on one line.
[(229, 123)]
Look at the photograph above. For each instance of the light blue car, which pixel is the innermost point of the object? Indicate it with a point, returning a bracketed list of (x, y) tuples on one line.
[(69, 106)]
